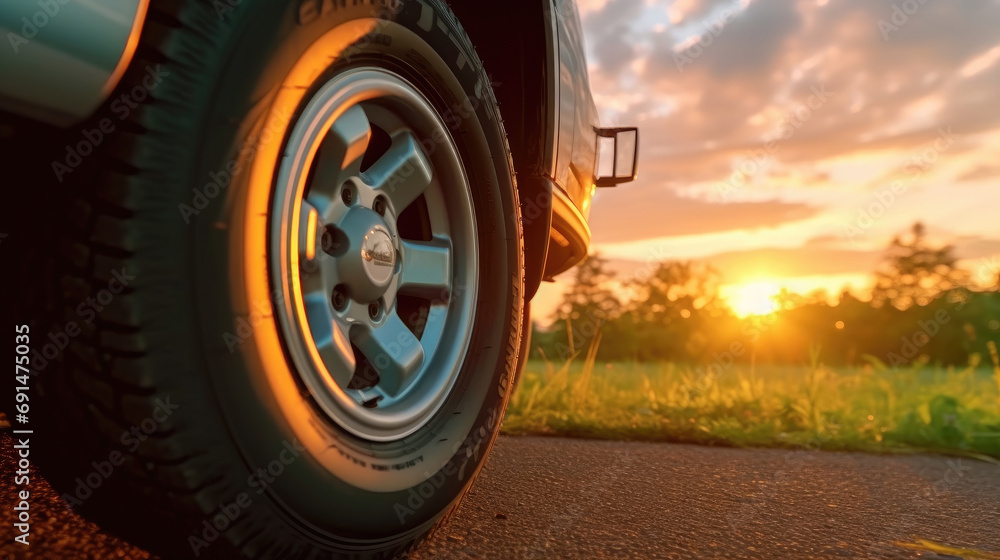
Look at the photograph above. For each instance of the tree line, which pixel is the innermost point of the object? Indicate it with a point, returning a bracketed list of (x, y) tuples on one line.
[(923, 308)]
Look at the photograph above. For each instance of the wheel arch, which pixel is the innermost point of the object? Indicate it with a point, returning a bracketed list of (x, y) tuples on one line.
[(525, 85)]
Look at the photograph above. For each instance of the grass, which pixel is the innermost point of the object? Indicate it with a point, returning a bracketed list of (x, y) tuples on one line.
[(869, 408)]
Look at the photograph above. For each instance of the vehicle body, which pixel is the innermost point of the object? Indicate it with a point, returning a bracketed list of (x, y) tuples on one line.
[(329, 186)]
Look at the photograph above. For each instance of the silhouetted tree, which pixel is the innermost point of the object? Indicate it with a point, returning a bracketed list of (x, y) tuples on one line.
[(914, 273), (675, 289), (670, 313), (587, 306)]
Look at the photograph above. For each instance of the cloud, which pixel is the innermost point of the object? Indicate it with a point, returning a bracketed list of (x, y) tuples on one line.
[(736, 267), (683, 11), (753, 41), (980, 172), (763, 65), (804, 261), (976, 247), (608, 30), (818, 257), (631, 216), (586, 7)]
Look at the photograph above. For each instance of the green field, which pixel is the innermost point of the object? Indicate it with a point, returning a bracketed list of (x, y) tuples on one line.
[(869, 408)]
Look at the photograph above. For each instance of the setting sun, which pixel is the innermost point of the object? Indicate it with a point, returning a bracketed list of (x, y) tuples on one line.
[(752, 298)]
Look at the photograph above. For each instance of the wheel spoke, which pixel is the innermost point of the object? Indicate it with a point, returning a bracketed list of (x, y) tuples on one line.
[(318, 269), (331, 338), (402, 173), (340, 154), (309, 232), (426, 269), (394, 351), (349, 136)]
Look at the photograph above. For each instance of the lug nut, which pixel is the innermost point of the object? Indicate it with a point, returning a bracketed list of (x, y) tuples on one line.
[(331, 241), (326, 242), (347, 196), (339, 299), (379, 206), (373, 310)]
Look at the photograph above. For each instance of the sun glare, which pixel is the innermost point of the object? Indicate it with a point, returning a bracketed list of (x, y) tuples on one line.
[(752, 298)]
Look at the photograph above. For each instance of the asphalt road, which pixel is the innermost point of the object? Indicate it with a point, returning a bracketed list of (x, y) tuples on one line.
[(563, 498)]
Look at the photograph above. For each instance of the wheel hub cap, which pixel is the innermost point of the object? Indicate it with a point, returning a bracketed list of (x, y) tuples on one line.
[(378, 255), (369, 265), (374, 249)]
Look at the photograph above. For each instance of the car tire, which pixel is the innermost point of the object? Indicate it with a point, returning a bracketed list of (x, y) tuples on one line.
[(205, 393)]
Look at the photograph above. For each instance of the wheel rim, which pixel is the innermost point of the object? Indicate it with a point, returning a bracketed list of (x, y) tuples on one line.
[(374, 250)]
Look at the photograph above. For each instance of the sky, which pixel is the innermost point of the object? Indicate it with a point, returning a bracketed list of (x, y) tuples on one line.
[(786, 142)]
